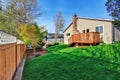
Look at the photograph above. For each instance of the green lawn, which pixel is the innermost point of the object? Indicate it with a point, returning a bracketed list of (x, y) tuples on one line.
[(69, 63)]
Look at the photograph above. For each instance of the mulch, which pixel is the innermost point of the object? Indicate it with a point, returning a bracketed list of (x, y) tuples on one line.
[(39, 52)]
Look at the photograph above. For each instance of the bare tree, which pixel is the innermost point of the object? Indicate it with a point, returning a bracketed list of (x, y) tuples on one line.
[(23, 11), (59, 24), (17, 12), (0, 5)]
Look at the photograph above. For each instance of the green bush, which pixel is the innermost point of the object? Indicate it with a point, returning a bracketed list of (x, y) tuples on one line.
[(116, 42), (48, 45), (56, 43), (52, 44)]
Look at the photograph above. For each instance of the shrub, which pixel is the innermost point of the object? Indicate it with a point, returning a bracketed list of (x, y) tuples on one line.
[(48, 45), (52, 44), (56, 43)]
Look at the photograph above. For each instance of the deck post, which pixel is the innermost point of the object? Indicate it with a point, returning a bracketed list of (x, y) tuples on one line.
[(81, 44), (77, 44), (91, 45)]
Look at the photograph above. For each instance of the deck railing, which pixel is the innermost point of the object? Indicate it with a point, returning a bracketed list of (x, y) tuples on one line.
[(88, 38)]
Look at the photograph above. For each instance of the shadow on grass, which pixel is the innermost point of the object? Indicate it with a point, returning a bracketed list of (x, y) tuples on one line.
[(69, 67)]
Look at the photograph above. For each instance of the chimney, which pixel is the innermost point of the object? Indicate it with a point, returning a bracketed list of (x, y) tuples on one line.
[(74, 23)]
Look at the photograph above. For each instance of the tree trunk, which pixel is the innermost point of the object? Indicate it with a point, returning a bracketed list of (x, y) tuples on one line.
[(56, 36), (55, 39), (34, 49)]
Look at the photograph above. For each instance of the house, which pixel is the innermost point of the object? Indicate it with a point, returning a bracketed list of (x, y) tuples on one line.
[(107, 33), (51, 38), (6, 38)]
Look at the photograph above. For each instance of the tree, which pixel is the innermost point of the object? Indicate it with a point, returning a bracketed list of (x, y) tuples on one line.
[(59, 24), (19, 12), (113, 7), (24, 11), (31, 34), (2, 18)]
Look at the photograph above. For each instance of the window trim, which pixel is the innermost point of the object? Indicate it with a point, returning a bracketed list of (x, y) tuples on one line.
[(99, 26)]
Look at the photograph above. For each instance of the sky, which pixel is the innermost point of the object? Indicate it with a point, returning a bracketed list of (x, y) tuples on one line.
[(83, 8)]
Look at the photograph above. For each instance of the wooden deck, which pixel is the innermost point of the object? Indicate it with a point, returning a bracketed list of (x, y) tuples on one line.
[(90, 38)]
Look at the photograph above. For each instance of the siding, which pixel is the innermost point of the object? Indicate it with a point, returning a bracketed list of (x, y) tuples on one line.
[(69, 30), (91, 24)]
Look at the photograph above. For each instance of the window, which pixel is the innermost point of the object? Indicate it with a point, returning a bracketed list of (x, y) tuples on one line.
[(99, 29), (67, 34), (83, 31), (87, 30)]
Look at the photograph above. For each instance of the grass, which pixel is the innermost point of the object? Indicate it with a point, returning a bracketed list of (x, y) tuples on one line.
[(67, 63)]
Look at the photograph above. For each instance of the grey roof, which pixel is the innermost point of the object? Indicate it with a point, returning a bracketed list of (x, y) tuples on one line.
[(99, 19)]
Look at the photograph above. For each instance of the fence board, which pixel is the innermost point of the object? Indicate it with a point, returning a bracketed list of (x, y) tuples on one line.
[(2, 65), (10, 57)]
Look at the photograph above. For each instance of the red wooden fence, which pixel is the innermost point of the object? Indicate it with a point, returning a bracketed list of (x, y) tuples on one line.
[(10, 57)]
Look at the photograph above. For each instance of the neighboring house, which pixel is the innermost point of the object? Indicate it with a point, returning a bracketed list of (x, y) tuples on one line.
[(6, 38), (51, 38), (108, 33)]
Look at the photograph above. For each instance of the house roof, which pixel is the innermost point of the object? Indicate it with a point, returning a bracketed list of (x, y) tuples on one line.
[(52, 35), (68, 26), (98, 19), (7, 33)]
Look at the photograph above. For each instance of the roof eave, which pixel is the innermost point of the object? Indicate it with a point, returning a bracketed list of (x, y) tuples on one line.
[(111, 20), (68, 27)]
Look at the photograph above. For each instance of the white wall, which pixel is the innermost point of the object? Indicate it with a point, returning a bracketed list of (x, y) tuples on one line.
[(69, 30)]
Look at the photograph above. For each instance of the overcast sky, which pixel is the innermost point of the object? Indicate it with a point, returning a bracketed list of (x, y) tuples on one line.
[(83, 8)]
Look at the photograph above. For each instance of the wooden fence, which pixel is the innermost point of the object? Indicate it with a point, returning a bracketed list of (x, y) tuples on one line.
[(10, 57)]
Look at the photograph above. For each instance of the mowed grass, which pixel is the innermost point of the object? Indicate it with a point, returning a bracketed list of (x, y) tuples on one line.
[(69, 63)]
